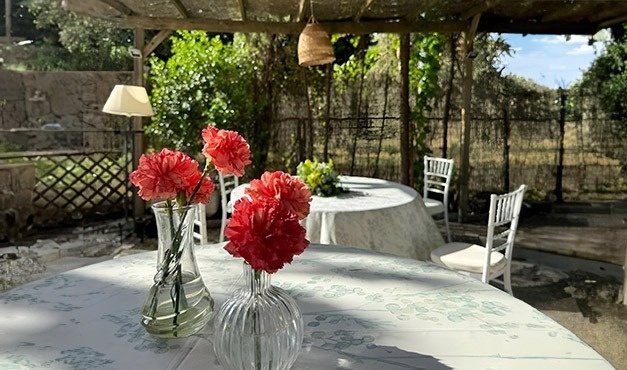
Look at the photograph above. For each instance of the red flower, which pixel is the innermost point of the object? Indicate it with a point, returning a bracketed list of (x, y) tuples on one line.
[(163, 175), (227, 150), (290, 190), (265, 234), (207, 187)]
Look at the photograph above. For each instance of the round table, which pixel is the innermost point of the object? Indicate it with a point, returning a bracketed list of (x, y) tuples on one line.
[(374, 214), (362, 310)]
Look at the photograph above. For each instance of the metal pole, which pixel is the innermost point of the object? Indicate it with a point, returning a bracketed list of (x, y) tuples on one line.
[(404, 110), (625, 274), (138, 134), (7, 19), (464, 173)]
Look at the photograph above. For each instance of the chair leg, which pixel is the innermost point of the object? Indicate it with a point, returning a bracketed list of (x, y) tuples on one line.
[(507, 281), (448, 229), (222, 226)]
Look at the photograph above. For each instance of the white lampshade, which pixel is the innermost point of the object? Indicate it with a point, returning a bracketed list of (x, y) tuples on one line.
[(128, 100)]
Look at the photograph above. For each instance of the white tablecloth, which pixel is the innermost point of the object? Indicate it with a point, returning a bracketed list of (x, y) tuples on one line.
[(362, 310), (375, 214)]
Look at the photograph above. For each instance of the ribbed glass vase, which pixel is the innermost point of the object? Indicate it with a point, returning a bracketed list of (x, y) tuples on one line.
[(178, 303), (260, 327)]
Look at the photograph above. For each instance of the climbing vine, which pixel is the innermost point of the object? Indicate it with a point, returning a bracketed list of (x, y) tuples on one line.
[(424, 66)]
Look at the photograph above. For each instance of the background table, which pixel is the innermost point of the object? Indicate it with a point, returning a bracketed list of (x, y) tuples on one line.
[(374, 214), (362, 310)]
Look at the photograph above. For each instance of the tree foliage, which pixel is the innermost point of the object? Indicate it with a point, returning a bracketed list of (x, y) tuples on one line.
[(607, 76), (68, 41), (205, 80), (604, 85)]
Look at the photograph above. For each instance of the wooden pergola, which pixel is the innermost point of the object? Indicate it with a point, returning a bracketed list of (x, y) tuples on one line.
[(467, 17)]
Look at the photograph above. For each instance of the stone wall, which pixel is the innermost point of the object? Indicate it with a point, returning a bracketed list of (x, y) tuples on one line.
[(42, 111), (16, 199), (34, 103)]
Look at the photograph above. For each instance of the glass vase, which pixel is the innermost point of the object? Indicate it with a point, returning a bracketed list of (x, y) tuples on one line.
[(260, 327), (178, 303)]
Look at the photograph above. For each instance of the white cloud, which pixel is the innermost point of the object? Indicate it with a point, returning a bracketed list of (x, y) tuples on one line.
[(583, 49), (577, 39), (548, 39)]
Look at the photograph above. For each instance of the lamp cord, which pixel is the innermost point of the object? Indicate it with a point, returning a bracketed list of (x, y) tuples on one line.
[(312, 19)]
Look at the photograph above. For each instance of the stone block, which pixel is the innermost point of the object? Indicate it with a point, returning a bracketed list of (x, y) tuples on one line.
[(7, 200), (23, 176), (45, 250), (72, 248), (5, 178), (7, 250), (17, 182)]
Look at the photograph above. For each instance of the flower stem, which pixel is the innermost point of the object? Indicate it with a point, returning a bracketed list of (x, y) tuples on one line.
[(205, 172), (171, 263), (256, 328)]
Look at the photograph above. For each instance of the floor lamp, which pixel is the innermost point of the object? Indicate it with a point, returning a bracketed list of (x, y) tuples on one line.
[(131, 101)]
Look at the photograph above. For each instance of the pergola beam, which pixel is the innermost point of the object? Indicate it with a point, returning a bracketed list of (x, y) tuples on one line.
[(289, 27), (573, 17), (427, 5), (362, 10), (156, 41), (180, 8), (301, 10), (537, 28), (611, 22), (576, 10), (242, 9), (115, 4), (487, 4), (605, 14)]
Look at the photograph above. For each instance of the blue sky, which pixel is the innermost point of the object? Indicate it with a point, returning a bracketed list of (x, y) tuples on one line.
[(550, 60)]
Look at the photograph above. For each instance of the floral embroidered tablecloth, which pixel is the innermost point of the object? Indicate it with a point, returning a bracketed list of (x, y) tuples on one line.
[(362, 310), (374, 214)]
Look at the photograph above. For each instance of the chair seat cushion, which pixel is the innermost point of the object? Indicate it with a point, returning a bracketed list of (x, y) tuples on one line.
[(467, 257), (434, 207)]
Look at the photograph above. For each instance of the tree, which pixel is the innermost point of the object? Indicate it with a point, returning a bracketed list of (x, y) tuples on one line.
[(205, 80), (606, 83), (67, 41), (608, 77)]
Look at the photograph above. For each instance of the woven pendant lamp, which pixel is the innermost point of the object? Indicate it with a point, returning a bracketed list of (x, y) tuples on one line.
[(314, 46)]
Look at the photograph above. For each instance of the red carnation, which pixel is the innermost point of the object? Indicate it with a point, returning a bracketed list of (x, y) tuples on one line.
[(265, 234), (291, 191), (227, 150), (163, 175), (207, 187)]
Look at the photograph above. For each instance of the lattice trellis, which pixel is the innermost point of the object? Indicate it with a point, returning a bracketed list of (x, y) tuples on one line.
[(77, 185)]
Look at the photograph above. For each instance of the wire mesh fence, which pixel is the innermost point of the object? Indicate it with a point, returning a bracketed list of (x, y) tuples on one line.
[(371, 147)]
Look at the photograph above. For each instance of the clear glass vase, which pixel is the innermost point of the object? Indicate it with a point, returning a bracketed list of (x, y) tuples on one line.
[(178, 303), (260, 327)]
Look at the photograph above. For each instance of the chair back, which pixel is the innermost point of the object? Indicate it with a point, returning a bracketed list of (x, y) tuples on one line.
[(502, 224), (227, 184), (437, 177), (200, 224)]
